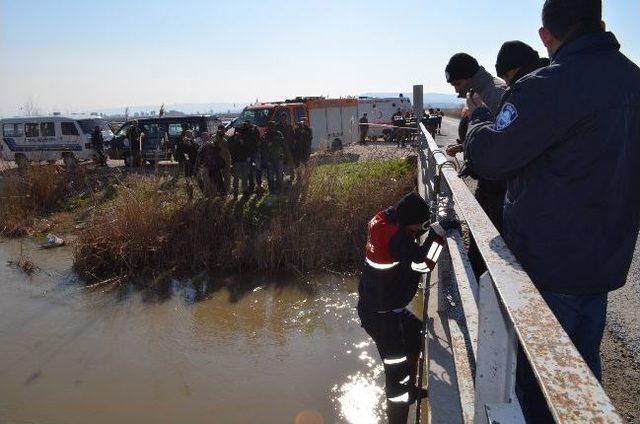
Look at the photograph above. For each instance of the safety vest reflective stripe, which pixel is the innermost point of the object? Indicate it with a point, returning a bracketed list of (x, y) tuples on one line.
[(421, 267), (405, 380), (394, 360), (380, 266), (402, 398)]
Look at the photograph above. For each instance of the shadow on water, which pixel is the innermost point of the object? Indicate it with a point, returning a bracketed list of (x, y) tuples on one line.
[(203, 286)]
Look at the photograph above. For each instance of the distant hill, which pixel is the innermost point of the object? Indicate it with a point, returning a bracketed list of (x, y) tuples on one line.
[(430, 99)]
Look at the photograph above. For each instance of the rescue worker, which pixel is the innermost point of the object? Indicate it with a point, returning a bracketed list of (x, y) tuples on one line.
[(240, 164), (364, 129), (221, 141), (302, 136), (439, 114), (286, 130), (210, 157), (275, 148), (394, 262), (97, 142), (135, 142), (567, 139)]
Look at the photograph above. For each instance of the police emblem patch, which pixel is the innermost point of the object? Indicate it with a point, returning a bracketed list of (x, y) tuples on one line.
[(508, 114)]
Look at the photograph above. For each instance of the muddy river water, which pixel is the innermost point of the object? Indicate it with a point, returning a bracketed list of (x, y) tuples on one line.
[(226, 351)]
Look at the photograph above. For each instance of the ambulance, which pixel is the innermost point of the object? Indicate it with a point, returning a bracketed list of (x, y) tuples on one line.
[(380, 111)]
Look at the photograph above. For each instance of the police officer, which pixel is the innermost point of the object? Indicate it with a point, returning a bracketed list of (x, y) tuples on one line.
[(567, 138), (394, 262)]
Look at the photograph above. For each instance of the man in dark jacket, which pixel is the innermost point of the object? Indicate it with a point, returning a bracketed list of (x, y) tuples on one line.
[(240, 165), (251, 136), (364, 129), (302, 136), (135, 136), (394, 262), (285, 128), (97, 142), (210, 157), (567, 139), (275, 149)]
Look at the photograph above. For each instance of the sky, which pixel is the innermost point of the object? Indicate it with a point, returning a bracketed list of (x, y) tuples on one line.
[(79, 55)]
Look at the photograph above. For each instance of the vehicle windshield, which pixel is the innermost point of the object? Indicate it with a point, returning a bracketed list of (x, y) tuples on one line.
[(88, 125), (257, 117)]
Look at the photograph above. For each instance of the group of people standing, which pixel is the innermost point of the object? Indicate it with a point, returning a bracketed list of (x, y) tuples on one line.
[(243, 160)]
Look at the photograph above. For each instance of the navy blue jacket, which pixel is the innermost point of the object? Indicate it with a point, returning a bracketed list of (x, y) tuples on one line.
[(568, 141)]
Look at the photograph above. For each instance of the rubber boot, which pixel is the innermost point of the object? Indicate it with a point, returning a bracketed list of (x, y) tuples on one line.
[(397, 412)]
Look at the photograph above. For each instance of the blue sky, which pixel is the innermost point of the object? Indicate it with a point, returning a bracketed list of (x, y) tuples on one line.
[(74, 55)]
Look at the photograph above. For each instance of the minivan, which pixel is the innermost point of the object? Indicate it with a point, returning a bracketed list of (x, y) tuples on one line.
[(44, 138)]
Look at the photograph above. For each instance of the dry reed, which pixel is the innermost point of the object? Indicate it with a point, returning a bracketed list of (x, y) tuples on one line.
[(152, 226)]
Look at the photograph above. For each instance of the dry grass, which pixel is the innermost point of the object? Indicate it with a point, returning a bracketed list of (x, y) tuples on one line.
[(153, 226), (30, 193)]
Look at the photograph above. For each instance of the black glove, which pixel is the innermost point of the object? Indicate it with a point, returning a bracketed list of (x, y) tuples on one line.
[(447, 225)]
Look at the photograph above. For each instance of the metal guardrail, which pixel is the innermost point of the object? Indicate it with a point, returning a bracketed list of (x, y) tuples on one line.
[(490, 318)]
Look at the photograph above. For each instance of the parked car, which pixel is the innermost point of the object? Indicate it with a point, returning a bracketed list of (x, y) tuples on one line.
[(44, 138), (160, 136)]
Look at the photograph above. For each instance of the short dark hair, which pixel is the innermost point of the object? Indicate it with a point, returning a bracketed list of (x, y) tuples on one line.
[(567, 18)]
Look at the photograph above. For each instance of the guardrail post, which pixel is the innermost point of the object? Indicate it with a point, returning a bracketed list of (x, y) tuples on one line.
[(497, 354)]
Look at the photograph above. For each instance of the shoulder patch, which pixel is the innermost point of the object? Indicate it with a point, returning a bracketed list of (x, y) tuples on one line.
[(507, 116)]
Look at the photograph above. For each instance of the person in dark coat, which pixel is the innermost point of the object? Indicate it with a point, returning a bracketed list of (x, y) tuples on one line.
[(240, 167), (567, 140), (303, 137), (394, 262), (210, 157), (135, 136), (364, 129), (97, 142), (285, 128)]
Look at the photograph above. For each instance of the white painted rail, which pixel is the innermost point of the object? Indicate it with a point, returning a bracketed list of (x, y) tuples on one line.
[(489, 320)]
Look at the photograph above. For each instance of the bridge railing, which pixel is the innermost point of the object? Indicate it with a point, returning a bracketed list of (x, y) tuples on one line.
[(489, 319)]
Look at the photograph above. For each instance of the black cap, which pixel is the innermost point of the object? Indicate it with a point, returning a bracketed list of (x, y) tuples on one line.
[(559, 16), (220, 127), (514, 54), (412, 209), (461, 66)]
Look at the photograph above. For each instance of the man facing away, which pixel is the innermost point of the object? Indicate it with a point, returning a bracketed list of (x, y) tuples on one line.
[(567, 139)]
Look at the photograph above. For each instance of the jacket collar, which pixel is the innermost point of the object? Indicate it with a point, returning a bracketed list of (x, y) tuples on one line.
[(480, 81), (587, 43), (527, 69)]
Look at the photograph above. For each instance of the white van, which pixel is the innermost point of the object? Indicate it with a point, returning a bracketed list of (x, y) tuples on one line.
[(380, 110), (44, 138)]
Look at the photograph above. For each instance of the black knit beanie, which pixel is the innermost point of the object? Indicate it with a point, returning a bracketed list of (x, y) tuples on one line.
[(514, 54), (412, 209), (461, 66)]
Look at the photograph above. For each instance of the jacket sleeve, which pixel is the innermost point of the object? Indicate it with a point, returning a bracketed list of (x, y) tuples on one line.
[(403, 248), (526, 125)]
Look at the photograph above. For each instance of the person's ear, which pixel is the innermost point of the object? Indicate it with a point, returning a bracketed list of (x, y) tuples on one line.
[(603, 25), (546, 37)]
